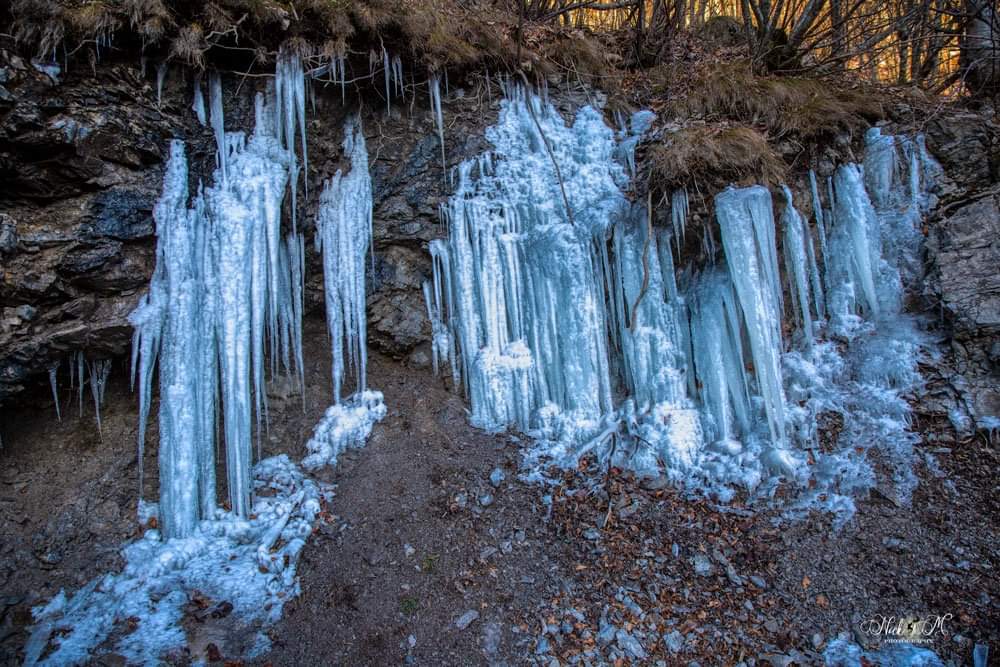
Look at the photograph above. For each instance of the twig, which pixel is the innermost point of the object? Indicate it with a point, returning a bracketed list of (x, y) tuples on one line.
[(548, 148)]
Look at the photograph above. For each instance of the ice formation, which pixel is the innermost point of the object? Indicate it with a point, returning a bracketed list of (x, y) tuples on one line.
[(198, 103), (54, 385), (342, 427), (99, 372), (226, 290), (555, 303), (247, 562), (434, 86), (343, 236), (223, 311)]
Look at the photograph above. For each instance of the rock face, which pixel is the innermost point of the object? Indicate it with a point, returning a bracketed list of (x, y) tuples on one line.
[(81, 164), (968, 146), (79, 167), (965, 249)]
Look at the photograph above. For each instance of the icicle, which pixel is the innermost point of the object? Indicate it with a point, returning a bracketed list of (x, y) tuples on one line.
[(343, 78), (747, 226), (718, 358), (818, 215), (344, 234), (290, 115), (679, 215), (80, 361), (387, 71), (856, 251), (54, 384), (218, 121), (99, 371), (198, 105), (397, 76), (435, 92), (161, 76), (797, 264)]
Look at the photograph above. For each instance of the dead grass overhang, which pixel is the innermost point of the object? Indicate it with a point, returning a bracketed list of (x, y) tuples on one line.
[(230, 34), (711, 157)]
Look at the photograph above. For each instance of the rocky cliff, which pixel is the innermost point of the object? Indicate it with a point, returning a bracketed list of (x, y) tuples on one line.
[(82, 151)]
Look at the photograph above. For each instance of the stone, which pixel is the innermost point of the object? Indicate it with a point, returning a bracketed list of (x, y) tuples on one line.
[(964, 248), (630, 645), (466, 619), (702, 565), (8, 234), (674, 641), (497, 477), (967, 146), (420, 357)]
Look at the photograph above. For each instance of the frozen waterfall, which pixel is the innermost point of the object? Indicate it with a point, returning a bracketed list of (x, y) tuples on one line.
[(226, 292), (344, 235), (570, 325)]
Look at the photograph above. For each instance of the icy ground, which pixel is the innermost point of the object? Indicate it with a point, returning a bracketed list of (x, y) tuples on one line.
[(245, 568), (249, 564)]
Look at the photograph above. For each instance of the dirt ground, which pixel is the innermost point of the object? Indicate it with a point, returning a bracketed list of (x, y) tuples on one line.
[(422, 537)]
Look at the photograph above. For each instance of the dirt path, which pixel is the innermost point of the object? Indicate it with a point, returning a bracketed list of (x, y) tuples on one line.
[(421, 537)]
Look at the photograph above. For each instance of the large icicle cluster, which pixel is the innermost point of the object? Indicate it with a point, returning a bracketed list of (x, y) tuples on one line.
[(519, 304), (343, 235), (226, 293), (249, 563), (569, 324), (224, 309)]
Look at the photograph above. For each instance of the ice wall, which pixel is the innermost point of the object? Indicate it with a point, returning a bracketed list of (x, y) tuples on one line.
[(535, 295), (226, 294), (554, 300)]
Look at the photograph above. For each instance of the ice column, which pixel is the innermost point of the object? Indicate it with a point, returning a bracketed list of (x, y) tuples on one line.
[(747, 225), (797, 264), (226, 290), (344, 235)]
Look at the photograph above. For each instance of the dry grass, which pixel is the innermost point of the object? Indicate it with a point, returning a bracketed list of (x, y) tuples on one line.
[(713, 158), (453, 34), (804, 107)]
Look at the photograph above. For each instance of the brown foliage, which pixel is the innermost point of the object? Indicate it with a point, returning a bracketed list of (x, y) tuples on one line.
[(715, 157), (805, 107)]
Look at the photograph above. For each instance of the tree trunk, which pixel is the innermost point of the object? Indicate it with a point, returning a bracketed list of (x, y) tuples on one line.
[(980, 55)]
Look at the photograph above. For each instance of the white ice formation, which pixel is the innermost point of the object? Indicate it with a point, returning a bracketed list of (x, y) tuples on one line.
[(344, 426), (226, 295), (569, 324), (247, 563), (343, 236), (224, 312)]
